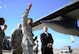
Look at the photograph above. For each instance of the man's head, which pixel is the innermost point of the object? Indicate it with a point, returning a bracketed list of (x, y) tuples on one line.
[(4, 27), (45, 29), (19, 26), (30, 21), (35, 38), (2, 21)]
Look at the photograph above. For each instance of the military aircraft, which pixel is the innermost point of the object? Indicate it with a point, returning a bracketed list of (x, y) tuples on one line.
[(63, 20)]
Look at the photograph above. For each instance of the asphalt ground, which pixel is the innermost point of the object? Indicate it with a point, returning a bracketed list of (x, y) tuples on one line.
[(56, 51)]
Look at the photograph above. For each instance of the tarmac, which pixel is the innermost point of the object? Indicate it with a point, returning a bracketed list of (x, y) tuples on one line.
[(56, 51)]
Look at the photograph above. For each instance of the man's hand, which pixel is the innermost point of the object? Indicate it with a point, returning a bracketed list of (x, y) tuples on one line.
[(30, 5), (49, 45)]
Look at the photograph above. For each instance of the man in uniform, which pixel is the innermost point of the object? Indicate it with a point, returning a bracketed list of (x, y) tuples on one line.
[(27, 41), (16, 40), (3, 28), (2, 21)]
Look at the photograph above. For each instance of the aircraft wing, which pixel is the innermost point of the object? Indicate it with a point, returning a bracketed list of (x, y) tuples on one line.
[(63, 20)]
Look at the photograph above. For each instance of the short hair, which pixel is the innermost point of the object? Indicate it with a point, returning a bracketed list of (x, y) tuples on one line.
[(19, 25), (5, 25), (30, 19), (2, 21), (1, 18), (35, 38)]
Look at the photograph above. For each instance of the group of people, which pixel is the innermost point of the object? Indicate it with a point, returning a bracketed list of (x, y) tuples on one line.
[(22, 41)]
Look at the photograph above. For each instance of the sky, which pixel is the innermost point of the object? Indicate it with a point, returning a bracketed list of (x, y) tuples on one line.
[(12, 11)]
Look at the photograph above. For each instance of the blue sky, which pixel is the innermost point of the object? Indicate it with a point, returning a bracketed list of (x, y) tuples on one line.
[(12, 11)]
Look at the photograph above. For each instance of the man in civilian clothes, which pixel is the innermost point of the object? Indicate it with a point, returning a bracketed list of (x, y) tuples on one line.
[(47, 42)]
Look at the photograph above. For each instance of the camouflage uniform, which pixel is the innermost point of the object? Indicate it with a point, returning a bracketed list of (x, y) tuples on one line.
[(27, 40), (16, 40), (2, 35)]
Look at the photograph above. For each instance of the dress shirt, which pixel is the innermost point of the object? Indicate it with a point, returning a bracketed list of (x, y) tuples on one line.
[(46, 34)]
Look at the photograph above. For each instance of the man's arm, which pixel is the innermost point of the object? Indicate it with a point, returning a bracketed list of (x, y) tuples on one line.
[(30, 5), (12, 40), (25, 15), (51, 41), (42, 38)]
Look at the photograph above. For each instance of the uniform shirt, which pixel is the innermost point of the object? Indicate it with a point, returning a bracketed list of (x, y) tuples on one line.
[(27, 31), (16, 38), (2, 35)]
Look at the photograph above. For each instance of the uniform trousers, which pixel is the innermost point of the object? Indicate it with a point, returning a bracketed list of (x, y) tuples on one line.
[(18, 50), (28, 50)]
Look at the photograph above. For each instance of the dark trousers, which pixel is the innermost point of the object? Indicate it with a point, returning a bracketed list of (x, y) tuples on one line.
[(46, 50), (1, 48)]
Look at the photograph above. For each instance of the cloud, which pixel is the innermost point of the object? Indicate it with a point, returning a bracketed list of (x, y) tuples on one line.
[(2, 5)]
